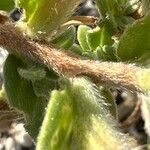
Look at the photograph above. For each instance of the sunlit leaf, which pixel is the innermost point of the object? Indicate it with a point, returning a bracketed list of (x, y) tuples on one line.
[(81, 36), (44, 18)]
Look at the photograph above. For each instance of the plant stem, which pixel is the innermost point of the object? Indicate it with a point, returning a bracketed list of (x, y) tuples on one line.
[(107, 73)]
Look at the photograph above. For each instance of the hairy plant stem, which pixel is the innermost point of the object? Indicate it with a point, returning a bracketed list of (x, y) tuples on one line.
[(107, 73)]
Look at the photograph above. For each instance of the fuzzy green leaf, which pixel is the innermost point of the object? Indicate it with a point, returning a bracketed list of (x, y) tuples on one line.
[(93, 123), (66, 39), (81, 36), (57, 125), (32, 73), (106, 53), (106, 38), (93, 38), (21, 95), (78, 118), (44, 18), (99, 36), (75, 48), (42, 88), (116, 12), (135, 42)]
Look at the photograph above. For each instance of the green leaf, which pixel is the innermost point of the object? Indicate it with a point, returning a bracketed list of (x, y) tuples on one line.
[(17, 89), (115, 12), (21, 95), (93, 38), (44, 18), (78, 118), (81, 36), (42, 88), (32, 73), (93, 126), (101, 35), (99, 53), (106, 35), (90, 39), (76, 49), (66, 39), (6, 5), (106, 53), (135, 42), (57, 126)]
